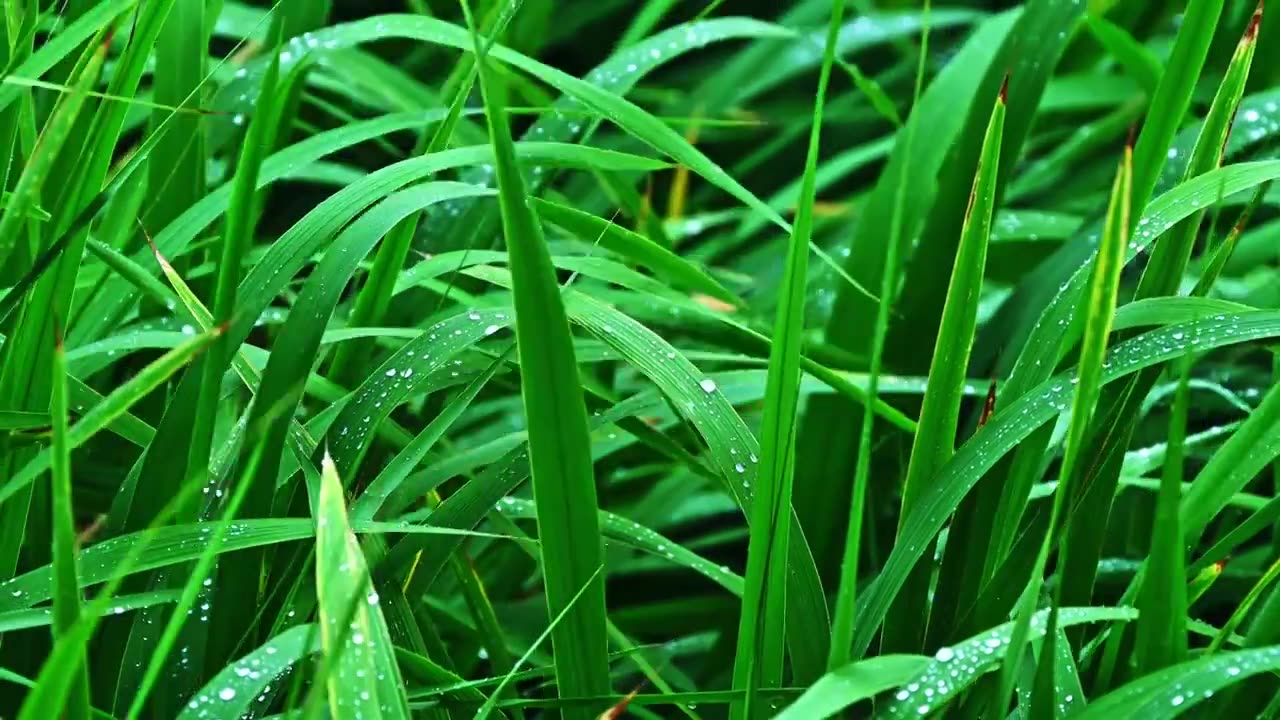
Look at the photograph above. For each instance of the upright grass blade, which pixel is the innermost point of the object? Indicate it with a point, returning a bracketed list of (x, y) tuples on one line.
[(1103, 287), (26, 356), (559, 445), (362, 678), (829, 424), (66, 589), (761, 630), (846, 598), (1162, 276), (1162, 600), (176, 173), (236, 240), (948, 371), (1173, 96)]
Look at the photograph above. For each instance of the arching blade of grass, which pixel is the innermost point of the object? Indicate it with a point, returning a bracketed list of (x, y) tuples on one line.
[(948, 371), (734, 451), (66, 589), (635, 247), (292, 251), (559, 444), (926, 685), (1104, 286), (231, 693), (619, 529), (1018, 419), (1175, 690), (375, 295), (853, 683), (761, 647), (366, 507), (286, 371)]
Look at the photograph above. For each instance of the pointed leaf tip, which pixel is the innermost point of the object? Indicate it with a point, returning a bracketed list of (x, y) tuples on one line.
[(1004, 90), (1251, 32)]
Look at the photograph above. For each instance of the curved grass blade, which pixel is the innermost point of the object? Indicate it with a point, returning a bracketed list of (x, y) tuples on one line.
[(1175, 690), (394, 472), (43, 617), (231, 693), (634, 534), (853, 683), (955, 668), (635, 247), (1018, 419)]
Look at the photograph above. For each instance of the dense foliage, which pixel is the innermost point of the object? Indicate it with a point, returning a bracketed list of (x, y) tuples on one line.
[(538, 358)]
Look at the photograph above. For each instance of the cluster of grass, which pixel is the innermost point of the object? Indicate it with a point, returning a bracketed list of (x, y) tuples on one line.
[(729, 360)]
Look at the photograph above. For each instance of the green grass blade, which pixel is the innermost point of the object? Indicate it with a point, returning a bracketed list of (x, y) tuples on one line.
[(232, 692), (828, 425), (66, 589), (176, 173), (1104, 286), (1162, 601), (635, 247), (362, 679), (1175, 690), (955, 668), (1173, 96), (370, 502), (847, 591), (853, 683), (939, 416), (491, 702), (761, 629), (559, 445), (1162, 276)]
